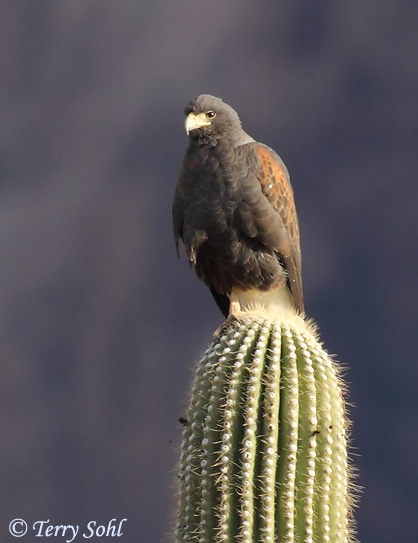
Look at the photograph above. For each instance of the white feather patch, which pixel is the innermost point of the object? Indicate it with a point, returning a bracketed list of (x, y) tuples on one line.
[(276, 303)]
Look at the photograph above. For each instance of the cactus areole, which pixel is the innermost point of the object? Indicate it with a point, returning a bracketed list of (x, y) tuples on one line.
[(264, 450)]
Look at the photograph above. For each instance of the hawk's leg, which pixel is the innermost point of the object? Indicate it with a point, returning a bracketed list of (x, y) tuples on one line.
[(235, 312)]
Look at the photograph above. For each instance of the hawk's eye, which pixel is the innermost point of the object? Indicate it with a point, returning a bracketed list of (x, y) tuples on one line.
[(210, 114)]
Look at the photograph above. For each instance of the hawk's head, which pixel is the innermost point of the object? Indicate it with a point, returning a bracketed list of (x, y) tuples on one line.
[(209, 118)]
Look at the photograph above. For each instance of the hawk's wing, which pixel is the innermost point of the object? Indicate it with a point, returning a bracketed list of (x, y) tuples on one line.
[(275, 225)]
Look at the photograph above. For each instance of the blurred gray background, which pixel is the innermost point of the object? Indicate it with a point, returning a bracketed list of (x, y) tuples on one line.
[(100, 323)]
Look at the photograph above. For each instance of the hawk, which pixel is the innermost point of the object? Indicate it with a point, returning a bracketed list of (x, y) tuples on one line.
[(235, 214)]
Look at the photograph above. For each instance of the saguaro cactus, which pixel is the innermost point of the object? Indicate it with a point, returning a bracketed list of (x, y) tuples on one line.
[(264, 452)]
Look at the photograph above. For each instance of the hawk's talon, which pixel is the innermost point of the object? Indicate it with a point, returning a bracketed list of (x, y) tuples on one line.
[(231, 319)]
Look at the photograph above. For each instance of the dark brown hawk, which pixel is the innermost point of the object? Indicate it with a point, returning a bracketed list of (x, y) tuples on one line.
[(235, 213)]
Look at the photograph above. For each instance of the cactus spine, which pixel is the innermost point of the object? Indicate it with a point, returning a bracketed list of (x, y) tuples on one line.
[(264, 453)]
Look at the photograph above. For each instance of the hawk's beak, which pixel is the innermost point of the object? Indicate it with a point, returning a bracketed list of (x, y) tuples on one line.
[(195, 121)]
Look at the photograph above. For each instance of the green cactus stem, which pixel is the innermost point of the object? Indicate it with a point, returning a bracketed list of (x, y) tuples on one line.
[(264, 451)]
